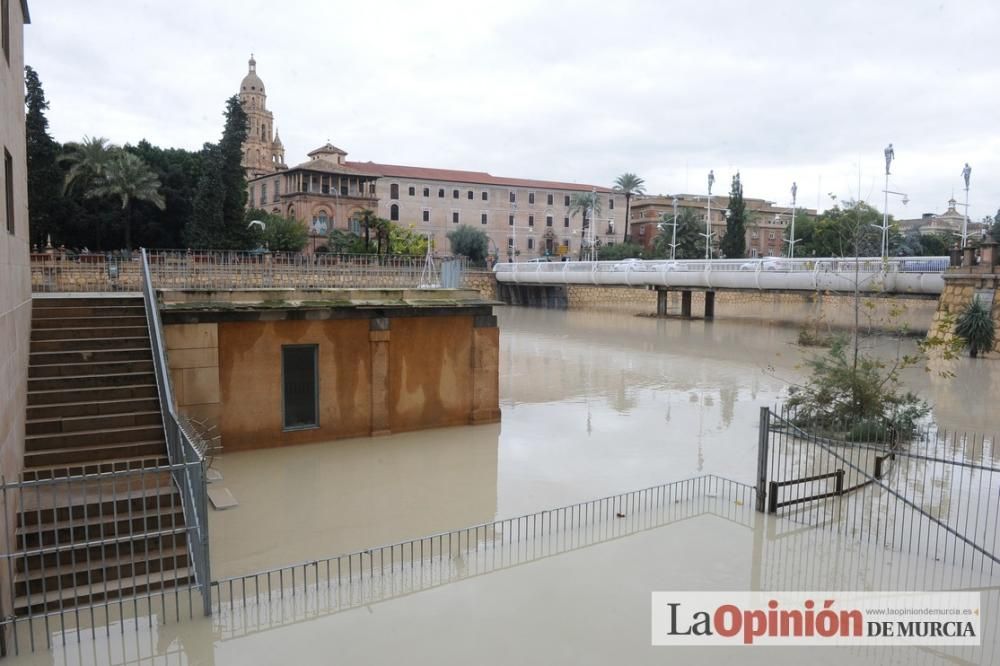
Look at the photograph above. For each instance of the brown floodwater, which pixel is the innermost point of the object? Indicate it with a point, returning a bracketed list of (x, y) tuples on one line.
[(593, 403)]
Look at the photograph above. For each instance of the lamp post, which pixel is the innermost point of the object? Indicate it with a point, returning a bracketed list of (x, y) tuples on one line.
[(966, 173), (890, 155), (673, 237), (708, 217), (792, 240), (593, 222)]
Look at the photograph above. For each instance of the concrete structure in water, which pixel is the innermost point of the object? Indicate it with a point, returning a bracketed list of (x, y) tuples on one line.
[(370, 362), (970, 278)]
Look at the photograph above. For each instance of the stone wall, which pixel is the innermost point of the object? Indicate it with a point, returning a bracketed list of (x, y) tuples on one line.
[(959, 290), (484, 281)]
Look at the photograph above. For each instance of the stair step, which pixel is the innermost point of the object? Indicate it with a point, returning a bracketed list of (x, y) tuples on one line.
[(94, 437), (97, 396), (53, 502), (89, 381), (66, 533), (81, 356), (112, 589), (94, 454), (101, 467), (89, 332), (104, 569), (79, 345), (71, 424), (40, 311), (92, 369), (88, 322), (138, 541), (92, 408)]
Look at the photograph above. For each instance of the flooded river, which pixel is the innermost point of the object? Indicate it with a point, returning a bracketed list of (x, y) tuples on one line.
[(593, 403)]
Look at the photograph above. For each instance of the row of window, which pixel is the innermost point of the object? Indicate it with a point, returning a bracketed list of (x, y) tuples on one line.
[(484, 195), (531, 243)]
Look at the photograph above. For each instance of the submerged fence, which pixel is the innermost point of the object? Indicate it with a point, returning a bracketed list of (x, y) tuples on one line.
[(931, 492), (214, 270)]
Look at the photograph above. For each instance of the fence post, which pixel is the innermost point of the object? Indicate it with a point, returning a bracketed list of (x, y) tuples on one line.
[(772, 498), (840, 482), (762, 442)]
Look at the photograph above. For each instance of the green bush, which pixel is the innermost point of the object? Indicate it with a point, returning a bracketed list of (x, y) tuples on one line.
[(975, 328), (470, 242)]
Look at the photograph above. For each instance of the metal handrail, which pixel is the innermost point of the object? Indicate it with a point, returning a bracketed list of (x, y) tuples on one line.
[(190, 478)]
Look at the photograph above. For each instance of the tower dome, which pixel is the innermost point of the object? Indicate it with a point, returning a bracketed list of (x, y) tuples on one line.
[(251, 82)]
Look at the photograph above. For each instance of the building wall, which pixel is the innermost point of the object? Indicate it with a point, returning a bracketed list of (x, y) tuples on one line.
[(15, 274), (376, 376), (530, 219)]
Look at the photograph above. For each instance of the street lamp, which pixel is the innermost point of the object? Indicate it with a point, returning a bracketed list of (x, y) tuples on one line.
[(966, 173), (792, 240), (890, 155), (708, 217), (673, 237)]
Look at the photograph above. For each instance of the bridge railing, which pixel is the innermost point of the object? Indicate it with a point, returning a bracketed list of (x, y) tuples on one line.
[(921, 275)]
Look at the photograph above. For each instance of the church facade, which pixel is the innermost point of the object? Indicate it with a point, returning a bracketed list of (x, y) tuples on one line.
[(531, 218)]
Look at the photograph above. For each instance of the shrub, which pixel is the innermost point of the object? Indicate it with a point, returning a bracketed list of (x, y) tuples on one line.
[(975, 328), (470, 242)]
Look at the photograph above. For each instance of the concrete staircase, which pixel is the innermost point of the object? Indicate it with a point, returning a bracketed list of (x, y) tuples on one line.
[(93, 407)]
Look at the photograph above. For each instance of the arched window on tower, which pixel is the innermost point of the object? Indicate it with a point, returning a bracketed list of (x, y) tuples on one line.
[(394, 212)]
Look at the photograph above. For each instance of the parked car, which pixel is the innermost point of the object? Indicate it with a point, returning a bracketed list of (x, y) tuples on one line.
[(627, 265), (538, 260)]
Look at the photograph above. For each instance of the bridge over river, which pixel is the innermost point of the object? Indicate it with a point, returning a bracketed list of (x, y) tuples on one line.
[(539, 281)]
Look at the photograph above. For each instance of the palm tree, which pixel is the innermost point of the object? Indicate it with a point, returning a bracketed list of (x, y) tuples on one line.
[(127, 177), (86, 160), (629, 184), (588, 205), (367, 219)]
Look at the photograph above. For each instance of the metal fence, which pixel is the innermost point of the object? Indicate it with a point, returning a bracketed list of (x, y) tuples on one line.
[(86, 549), (931, 492), (214, 270), (366, 576), (190, 476)]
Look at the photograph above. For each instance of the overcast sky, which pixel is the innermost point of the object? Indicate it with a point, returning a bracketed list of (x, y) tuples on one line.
[(577, 91)]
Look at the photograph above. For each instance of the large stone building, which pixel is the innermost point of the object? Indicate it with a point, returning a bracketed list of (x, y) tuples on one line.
[(15, 274), (262, 152), (766, 231), (327, 192), (948, 223)]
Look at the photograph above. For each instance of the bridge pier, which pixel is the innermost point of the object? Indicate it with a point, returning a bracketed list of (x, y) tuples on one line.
[(662, 298), (709, 305), (686, 303)]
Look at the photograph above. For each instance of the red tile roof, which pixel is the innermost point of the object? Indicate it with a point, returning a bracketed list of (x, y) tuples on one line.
[(476, 177)]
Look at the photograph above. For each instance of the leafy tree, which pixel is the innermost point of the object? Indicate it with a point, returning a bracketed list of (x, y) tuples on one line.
[(280, 234), (45, 199), (404, 240), (688, 238), (619, 251), (470, 242), (344, 242), (844, 232), (734, 241), (127, 178), (217, 220), (995, 229), (178, 171), (629, 184), (975, 327)]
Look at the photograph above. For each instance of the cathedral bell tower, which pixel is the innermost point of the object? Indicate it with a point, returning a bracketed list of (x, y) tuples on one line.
[(262, 151)]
